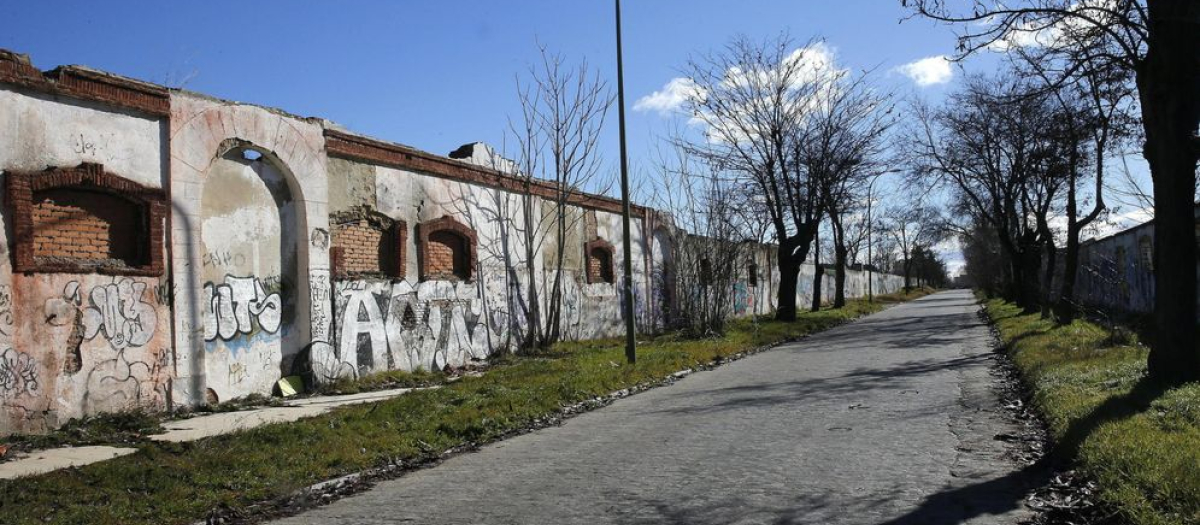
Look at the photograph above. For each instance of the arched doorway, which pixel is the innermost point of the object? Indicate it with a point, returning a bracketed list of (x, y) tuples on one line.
[(248, 238)]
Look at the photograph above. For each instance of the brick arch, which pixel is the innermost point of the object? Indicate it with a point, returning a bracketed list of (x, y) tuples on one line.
[(428, 233), (600, 270)]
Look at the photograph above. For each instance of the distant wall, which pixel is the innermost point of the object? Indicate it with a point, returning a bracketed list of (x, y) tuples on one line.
[(1116, 273)]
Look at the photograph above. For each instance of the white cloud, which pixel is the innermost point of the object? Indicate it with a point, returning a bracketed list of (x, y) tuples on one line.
[(670, 98), (928, 71)]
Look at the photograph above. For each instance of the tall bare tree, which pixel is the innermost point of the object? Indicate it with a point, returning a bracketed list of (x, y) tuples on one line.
[(1096, 115), (1158, 42), (844, 147), (993, 144), (563, 110), (754, 100)]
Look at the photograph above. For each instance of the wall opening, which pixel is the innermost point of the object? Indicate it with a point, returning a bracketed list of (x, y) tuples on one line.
[(87, 226), (447, 250), (249, 231), (448, 259), (600, 262), (85, 220), (367, 244)]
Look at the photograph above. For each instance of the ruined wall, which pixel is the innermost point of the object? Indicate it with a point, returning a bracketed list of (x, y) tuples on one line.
[(427, 317), (85, 323), (250, 237)]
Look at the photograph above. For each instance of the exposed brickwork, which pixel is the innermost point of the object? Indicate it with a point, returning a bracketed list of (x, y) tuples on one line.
[(85, 196), (367, 243), (84, 225), (362, 148), (86, 84), (447, 250), (600, 262)]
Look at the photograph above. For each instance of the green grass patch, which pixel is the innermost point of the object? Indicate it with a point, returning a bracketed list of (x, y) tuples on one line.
[(181, 483), (1140, 442)]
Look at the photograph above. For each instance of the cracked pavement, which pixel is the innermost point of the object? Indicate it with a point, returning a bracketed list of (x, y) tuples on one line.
[(890, 419)]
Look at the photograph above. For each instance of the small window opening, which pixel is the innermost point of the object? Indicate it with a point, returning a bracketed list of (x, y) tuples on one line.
[(447, 256), (600, 268)]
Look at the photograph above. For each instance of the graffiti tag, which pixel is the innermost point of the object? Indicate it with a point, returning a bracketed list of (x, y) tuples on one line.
[(234, 307)]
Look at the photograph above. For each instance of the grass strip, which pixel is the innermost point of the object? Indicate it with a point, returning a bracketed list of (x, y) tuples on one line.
[(180, 483), (1138, 440)]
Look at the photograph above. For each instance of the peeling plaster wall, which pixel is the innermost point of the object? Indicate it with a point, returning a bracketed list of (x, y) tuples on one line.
[(75, 345), (268, 290), (383, 324)]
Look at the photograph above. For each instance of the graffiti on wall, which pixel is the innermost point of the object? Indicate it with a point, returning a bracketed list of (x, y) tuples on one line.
[(743, 299), (123, 371), (18, 374), (385, 326), (235, 306), (120, 311)]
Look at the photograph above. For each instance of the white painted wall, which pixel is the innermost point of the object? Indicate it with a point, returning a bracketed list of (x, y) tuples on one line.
[(42, 131)]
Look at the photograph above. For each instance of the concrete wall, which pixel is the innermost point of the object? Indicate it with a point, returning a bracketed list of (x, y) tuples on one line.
[(1116, 273), (233, 279), (78, 344)]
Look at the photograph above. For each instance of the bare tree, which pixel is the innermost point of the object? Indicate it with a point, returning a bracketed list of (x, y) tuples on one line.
[(754, 100), (993, 143), (1096, 114), (1158, 42), (910, 227), (843, 148), (707, 230), (563, 110)]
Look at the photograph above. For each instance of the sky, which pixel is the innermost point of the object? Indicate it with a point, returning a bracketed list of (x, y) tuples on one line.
[(435, 75)]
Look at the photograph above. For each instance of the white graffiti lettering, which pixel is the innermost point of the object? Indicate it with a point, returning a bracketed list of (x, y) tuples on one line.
[(232, 307), (118, 310)]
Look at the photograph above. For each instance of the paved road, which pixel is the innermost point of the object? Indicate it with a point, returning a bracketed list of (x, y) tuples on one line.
[(887, 420)]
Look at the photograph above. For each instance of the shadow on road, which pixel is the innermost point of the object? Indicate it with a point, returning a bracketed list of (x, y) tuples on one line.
[(815, 389)]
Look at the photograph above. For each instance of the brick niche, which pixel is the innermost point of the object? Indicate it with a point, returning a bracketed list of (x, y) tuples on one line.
[(366, 243), (447, 250), (600, 261), (85, 220)]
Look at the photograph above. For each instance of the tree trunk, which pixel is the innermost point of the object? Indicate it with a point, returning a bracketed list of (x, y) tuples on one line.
[(818, 273), (533, 321), (1030, 261), (1048, 279), (789, 277), (839, 279), (1168, 82), (907, 272), (1064, 308), (839, 261)]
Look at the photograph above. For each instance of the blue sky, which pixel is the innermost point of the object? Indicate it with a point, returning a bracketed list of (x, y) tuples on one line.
[(435, 75)]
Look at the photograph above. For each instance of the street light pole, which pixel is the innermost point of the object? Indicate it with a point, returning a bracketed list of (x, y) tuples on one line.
[(630, 340), (870, 241)]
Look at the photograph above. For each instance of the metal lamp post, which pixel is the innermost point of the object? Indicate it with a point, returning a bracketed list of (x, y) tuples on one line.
[(630, 340)]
